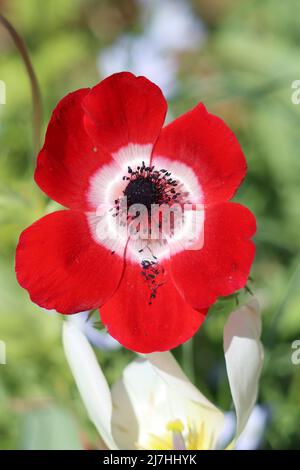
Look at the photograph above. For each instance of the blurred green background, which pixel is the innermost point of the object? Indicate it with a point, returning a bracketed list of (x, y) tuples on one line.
[(242, 68)]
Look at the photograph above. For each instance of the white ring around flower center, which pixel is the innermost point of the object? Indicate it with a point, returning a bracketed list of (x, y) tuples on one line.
[(107, 186)]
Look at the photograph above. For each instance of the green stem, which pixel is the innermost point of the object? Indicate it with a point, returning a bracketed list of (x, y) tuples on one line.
[(188, 359), (35, 90)]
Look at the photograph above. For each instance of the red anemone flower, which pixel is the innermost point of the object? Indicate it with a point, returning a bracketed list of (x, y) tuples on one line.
[(107, 142)]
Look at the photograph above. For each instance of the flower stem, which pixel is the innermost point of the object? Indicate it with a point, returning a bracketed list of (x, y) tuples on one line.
[(35, 90), (188, 359)]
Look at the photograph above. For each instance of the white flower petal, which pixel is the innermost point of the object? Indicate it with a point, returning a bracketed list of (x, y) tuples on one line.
[(141, 406), (172, 374), (100, 339), (252, 435), (90, 380), (186, 398), (244, 359)]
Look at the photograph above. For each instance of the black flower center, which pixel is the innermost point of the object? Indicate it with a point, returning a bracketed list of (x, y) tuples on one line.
[(142, 190), (147, 186)]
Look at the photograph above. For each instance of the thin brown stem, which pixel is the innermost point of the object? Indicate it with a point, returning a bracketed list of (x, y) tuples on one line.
[(35, 90)]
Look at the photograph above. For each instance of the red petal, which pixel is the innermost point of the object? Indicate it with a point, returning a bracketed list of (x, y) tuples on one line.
[(222, 266), (204, 142), (163, 325), (68, 157), (124, 109), (62, 267)]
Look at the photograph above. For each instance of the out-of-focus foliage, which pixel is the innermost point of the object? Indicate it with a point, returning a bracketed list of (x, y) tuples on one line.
[(243, 73), (48, 427)]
